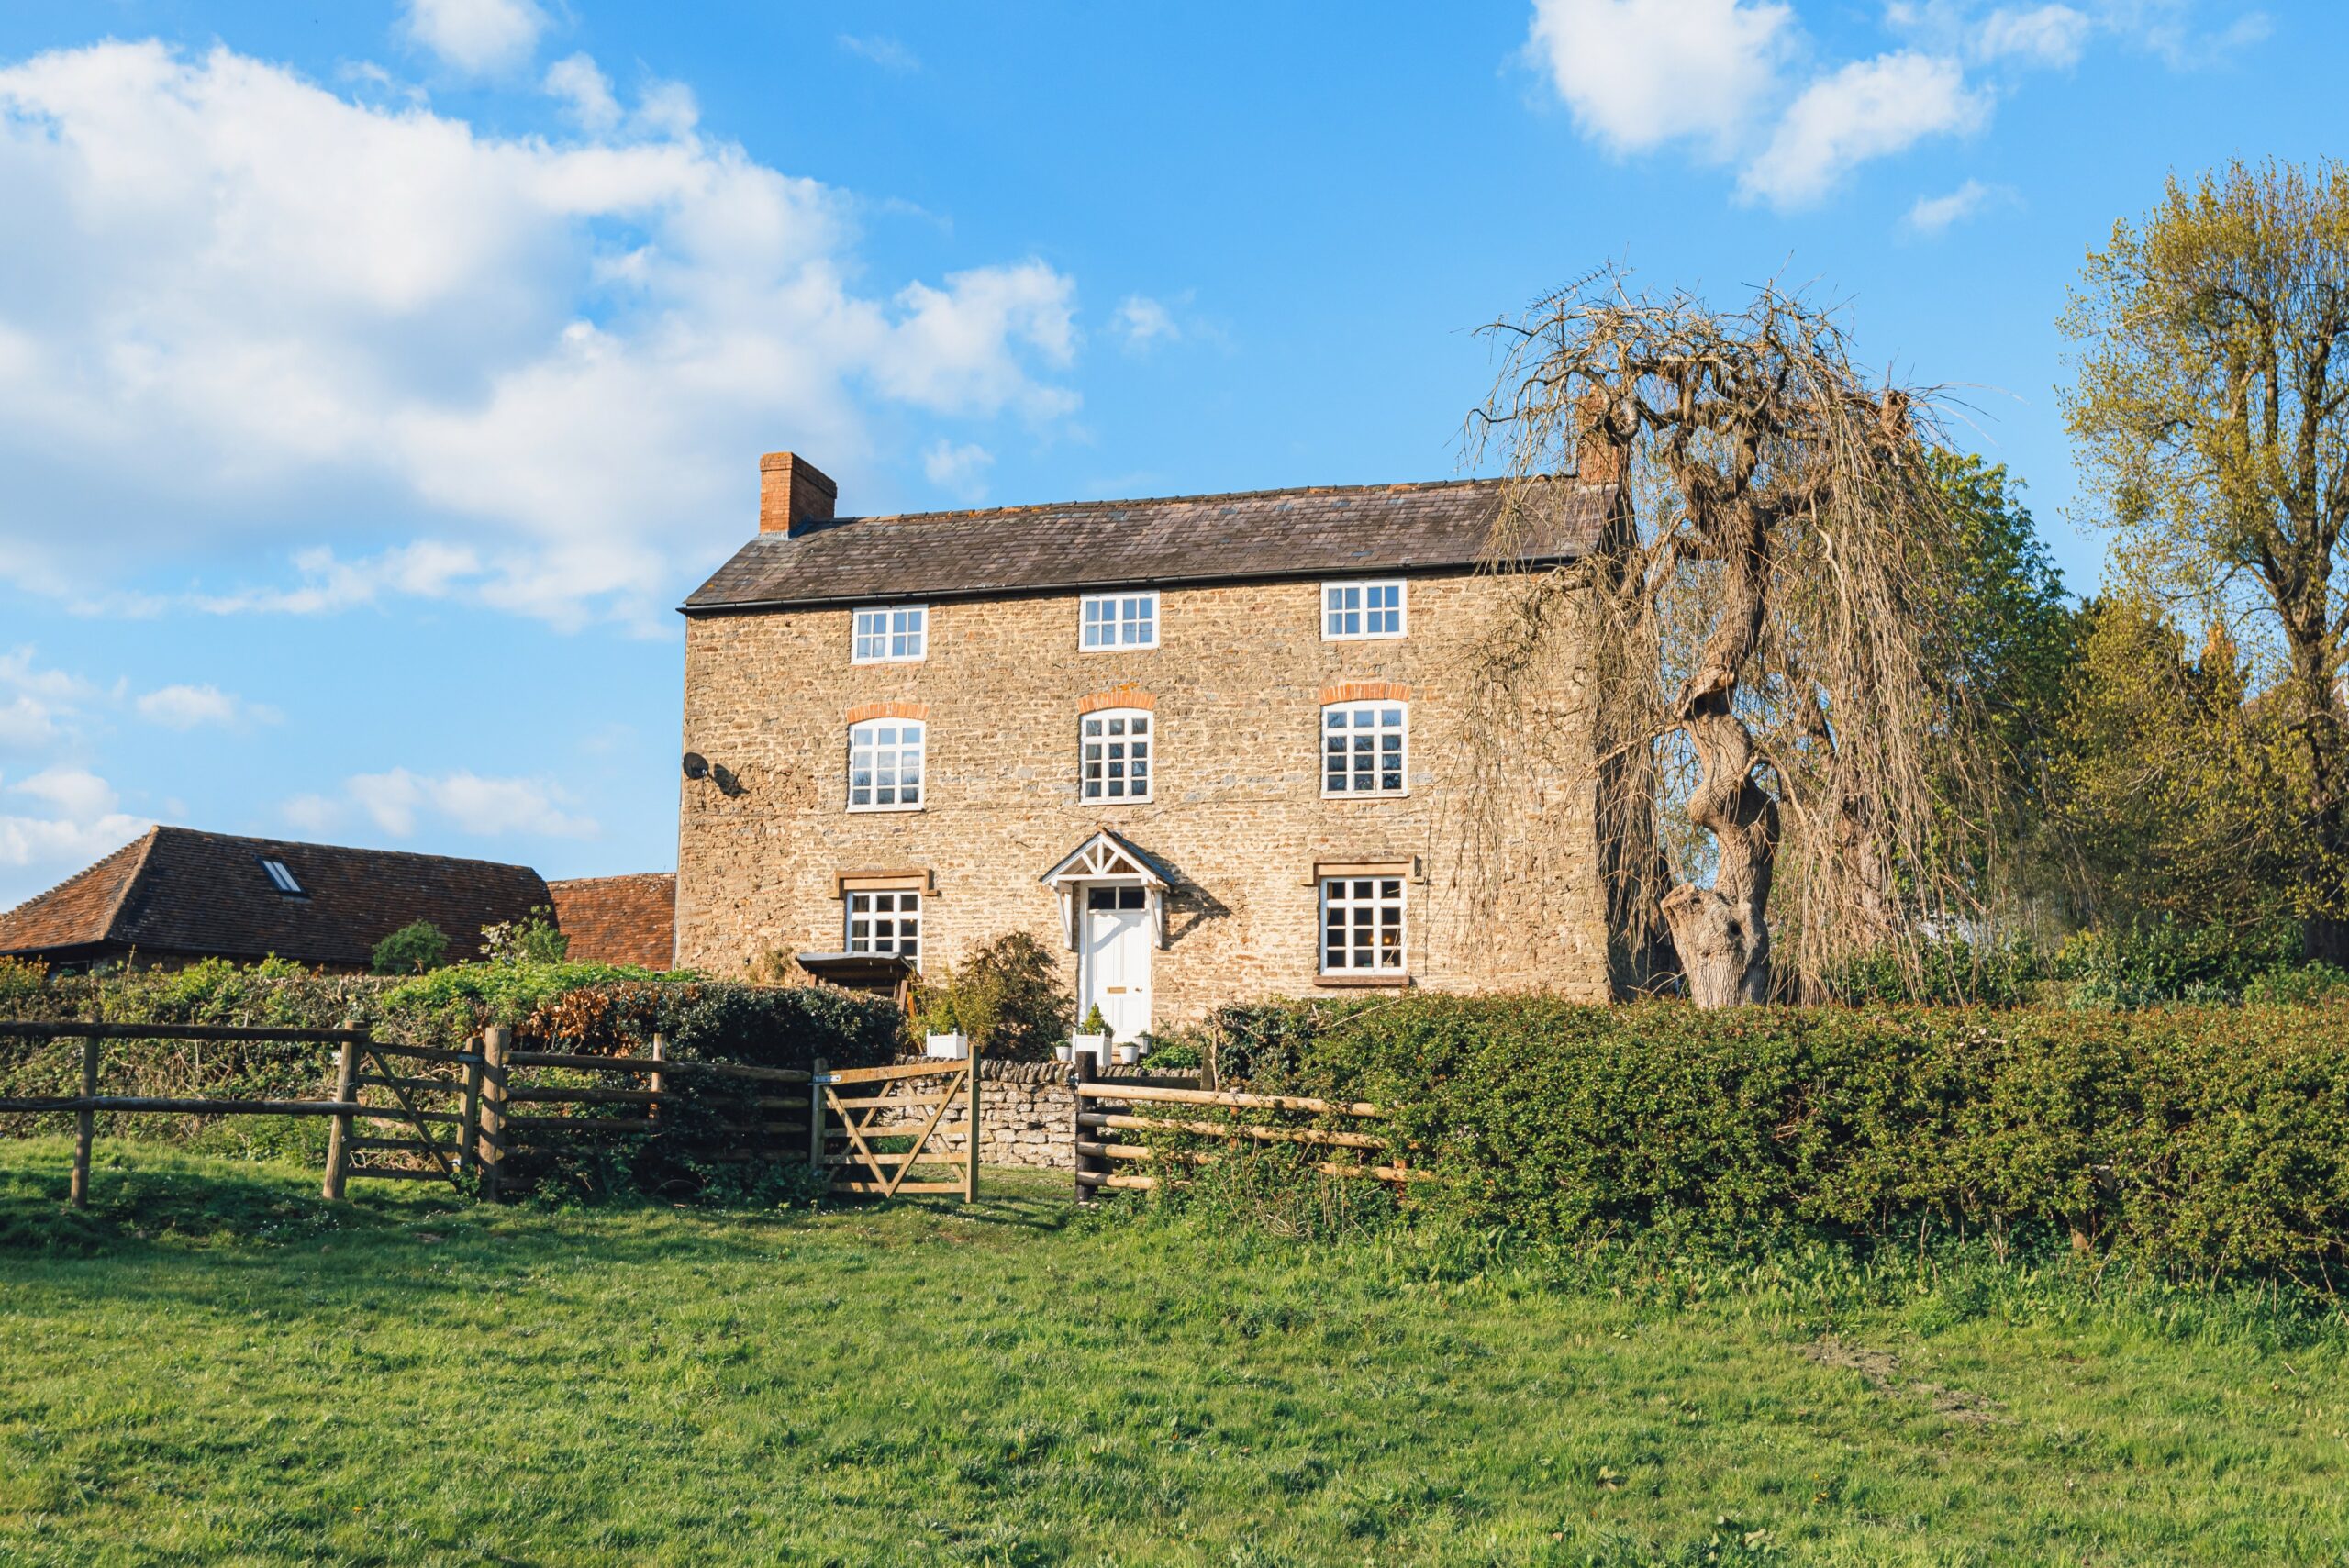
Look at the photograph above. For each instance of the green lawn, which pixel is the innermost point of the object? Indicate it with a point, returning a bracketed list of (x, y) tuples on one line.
[(215, 1366)]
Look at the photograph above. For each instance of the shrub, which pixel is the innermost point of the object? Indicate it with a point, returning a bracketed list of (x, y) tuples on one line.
[(2191, 1140), (2310, 985), (1007, 997), (417, 948), (533, 939)]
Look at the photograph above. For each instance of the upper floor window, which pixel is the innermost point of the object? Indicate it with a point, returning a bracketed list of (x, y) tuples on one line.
[(885, 922), (1363, 746), (1359, 611), (1116, 747), (888, 634), (1120, 620), (885, 762)]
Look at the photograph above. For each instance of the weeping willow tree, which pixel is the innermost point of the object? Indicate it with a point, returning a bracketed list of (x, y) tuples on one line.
[(1761, 632)]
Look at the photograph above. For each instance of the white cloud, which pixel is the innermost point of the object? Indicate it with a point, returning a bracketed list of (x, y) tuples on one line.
[(312, 814), (186, 707), (576, 81), (1868, 109), (2049, 35), (1638, 73), (1931, 215), (265, 315), (961, 470), (37, 705), (479, 37), (486, 807), (1142, 321), (83, 823), (882, 50)]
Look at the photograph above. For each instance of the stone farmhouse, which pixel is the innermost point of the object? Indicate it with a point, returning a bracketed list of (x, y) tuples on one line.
[(1209, 747)]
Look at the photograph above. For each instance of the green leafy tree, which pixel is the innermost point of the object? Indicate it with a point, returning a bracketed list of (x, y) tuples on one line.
[(2176, 793), (417, 948), (2003, 641), (2210, 403), (534, 939)]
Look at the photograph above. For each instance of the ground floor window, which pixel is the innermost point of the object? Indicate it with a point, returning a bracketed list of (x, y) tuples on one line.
[(885, 923), (1361, 925)]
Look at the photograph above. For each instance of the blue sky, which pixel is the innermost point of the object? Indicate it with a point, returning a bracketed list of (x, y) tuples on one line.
[(375, 379)]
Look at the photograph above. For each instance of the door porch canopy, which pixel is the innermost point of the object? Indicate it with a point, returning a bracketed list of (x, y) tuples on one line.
[(1108, 859)]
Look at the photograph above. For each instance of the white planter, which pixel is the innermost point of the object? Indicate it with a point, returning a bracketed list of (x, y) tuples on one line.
[(1094, 1045), (1065, 1052), (1126, 1055), (946, 1046)]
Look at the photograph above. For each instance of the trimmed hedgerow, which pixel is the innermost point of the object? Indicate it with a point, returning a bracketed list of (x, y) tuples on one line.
[(2194, 1140)]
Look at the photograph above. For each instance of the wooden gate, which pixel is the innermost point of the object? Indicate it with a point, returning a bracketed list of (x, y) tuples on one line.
[(412, 1090), (846, 1129)]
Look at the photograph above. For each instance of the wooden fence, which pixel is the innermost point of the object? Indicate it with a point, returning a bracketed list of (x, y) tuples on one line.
[(358, 1049), (1106, 1107), (454, 1115)]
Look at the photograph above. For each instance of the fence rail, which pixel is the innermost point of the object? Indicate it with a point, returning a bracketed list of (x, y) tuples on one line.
[(1106, 1105)]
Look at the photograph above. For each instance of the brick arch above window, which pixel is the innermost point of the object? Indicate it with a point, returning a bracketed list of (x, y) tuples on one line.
[(1366, 691), (1117, 696), (866, 710)]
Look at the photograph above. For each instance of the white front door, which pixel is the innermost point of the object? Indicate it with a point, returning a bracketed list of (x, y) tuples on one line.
[(1117, 958)]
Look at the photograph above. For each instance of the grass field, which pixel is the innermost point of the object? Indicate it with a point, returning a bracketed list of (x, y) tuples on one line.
[(213, 1366)]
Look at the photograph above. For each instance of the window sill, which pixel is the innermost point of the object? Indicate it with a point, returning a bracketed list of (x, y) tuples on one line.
[(1123, 648), (1365, 794), (1369, 981), (908, 658), (1364, 636), (1108, 802), (883, 810)]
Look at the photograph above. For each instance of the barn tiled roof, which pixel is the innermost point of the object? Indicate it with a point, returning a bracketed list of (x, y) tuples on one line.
[(619, 919), (1072, 546), (178, 891), (78, 911)]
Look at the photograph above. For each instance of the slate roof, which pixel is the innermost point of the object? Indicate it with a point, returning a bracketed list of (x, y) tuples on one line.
[(181, 893), (619, 919), (1071, 546)]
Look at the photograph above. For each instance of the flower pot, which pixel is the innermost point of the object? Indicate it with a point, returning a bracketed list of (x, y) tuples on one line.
[(1095, 1045), (946, 1046), (1065, 1052), (1126, 1055)]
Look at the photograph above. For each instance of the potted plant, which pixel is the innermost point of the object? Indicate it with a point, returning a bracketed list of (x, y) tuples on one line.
[(1092, 1035), (1128, 1053), (942, 1036)]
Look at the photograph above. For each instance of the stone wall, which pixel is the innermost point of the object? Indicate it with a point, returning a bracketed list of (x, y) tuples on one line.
[(1027, 1114), (1505, 894)]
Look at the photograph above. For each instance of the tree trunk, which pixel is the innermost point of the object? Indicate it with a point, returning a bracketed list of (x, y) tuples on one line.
[(1723, 932)]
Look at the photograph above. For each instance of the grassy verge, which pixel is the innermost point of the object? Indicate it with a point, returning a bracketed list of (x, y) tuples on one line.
[(213, 1366)]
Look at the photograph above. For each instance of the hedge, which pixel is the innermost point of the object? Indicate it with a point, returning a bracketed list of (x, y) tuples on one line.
[(2205, 1141)]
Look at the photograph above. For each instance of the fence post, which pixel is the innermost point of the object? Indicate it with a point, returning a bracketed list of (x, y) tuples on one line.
[(658, 1082), (469, 1156), (1084, 1075), (495, 1042), (816, 1115), (86, 1123), (338, 1130), (971, 1154)]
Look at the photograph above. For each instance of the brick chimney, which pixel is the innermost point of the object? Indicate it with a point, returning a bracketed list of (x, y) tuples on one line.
[(792, 493), (1598, 460)]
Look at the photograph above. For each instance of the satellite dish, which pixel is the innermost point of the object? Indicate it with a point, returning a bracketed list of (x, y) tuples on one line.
[(697, 765)]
